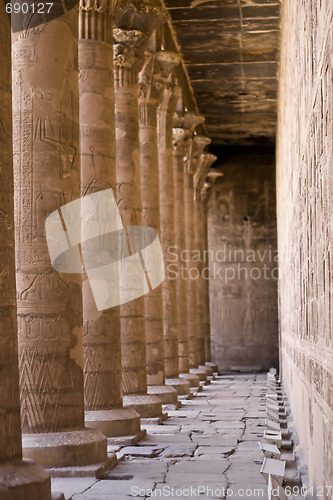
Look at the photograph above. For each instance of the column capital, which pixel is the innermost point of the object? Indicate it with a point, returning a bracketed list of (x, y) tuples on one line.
[(102, 6), (199, 144), (205, 191), (153, 78), (129, 47), (192, 120), (178, 119), (143, 15), (210, 180), (171, 95), (180, 137), (206, 161)]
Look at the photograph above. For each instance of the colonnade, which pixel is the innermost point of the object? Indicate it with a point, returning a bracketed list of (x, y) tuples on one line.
[(97, 104)]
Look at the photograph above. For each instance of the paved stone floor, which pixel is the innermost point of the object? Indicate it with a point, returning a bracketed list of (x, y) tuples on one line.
[(207, 449)]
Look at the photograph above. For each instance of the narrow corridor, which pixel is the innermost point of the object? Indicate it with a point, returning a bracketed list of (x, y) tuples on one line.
[(208, 448)]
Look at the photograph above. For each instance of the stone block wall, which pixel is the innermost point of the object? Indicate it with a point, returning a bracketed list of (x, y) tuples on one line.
[(305, 228), (243, 260)]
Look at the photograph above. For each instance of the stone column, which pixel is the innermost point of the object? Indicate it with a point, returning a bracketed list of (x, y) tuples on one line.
[(191, 121), (47, 176), (204, 162), (101, 329), (206, 305), (180, 147), (206, 263), (205, 192), (152, 81), (19, 479), (170, 326), (131, 38)]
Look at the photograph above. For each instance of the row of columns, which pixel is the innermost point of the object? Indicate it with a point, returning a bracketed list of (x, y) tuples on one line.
[(93, 108)]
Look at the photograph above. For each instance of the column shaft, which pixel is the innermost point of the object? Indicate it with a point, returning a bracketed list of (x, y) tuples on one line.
[(168, 239), (133, 341), (101, 329), (202, 164), (191, 271), (47, 176), (128, 59), (170, 321), (151, 217), (180, 228), (198, 230), (206, 308), (15, 482)]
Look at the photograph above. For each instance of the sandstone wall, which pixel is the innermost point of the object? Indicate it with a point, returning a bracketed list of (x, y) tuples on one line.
[(243, 267), (305, 230)]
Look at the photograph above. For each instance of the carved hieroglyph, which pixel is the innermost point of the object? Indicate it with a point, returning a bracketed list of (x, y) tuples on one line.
[(101, 329), (18, 479), (170, 327), (10, 424), (130, 41), (191, 121), (203, 163), (152, 81), (133, 345), (180, 137), (206, 307), (47, 176)]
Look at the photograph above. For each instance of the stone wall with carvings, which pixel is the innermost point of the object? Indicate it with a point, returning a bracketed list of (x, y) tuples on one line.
[(305, 234), (243, 260)]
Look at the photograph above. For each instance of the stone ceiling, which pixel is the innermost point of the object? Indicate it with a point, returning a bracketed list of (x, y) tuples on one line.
[(231, 51)]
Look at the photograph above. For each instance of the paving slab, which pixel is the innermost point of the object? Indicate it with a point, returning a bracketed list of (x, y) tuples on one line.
[(179, 451), (70, 486), (210, 443), (196, 466), (120, 487)]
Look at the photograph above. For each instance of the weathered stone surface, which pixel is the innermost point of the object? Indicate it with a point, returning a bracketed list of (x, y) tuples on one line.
[(204, 163), (243, 261), (305, 236), (101, 329), (18, 479), (47, 176), (131, 38), (50, 305), (153, 80), (180, 138), (10, 424), (191, 121), (129, 198), (163, 461), (166, 193)]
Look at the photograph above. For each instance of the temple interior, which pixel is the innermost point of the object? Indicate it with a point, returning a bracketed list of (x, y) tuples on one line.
[(166, 249)]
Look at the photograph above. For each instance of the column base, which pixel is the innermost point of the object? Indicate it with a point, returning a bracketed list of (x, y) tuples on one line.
[(200, 373), (130, 440), (96, 471), (181, 385), (166, 393), (208, 369), (147, 406), (212, 365), (24, 480), (82, 447), (155, 421), (114, 423), (194, 380), (173, 406)]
